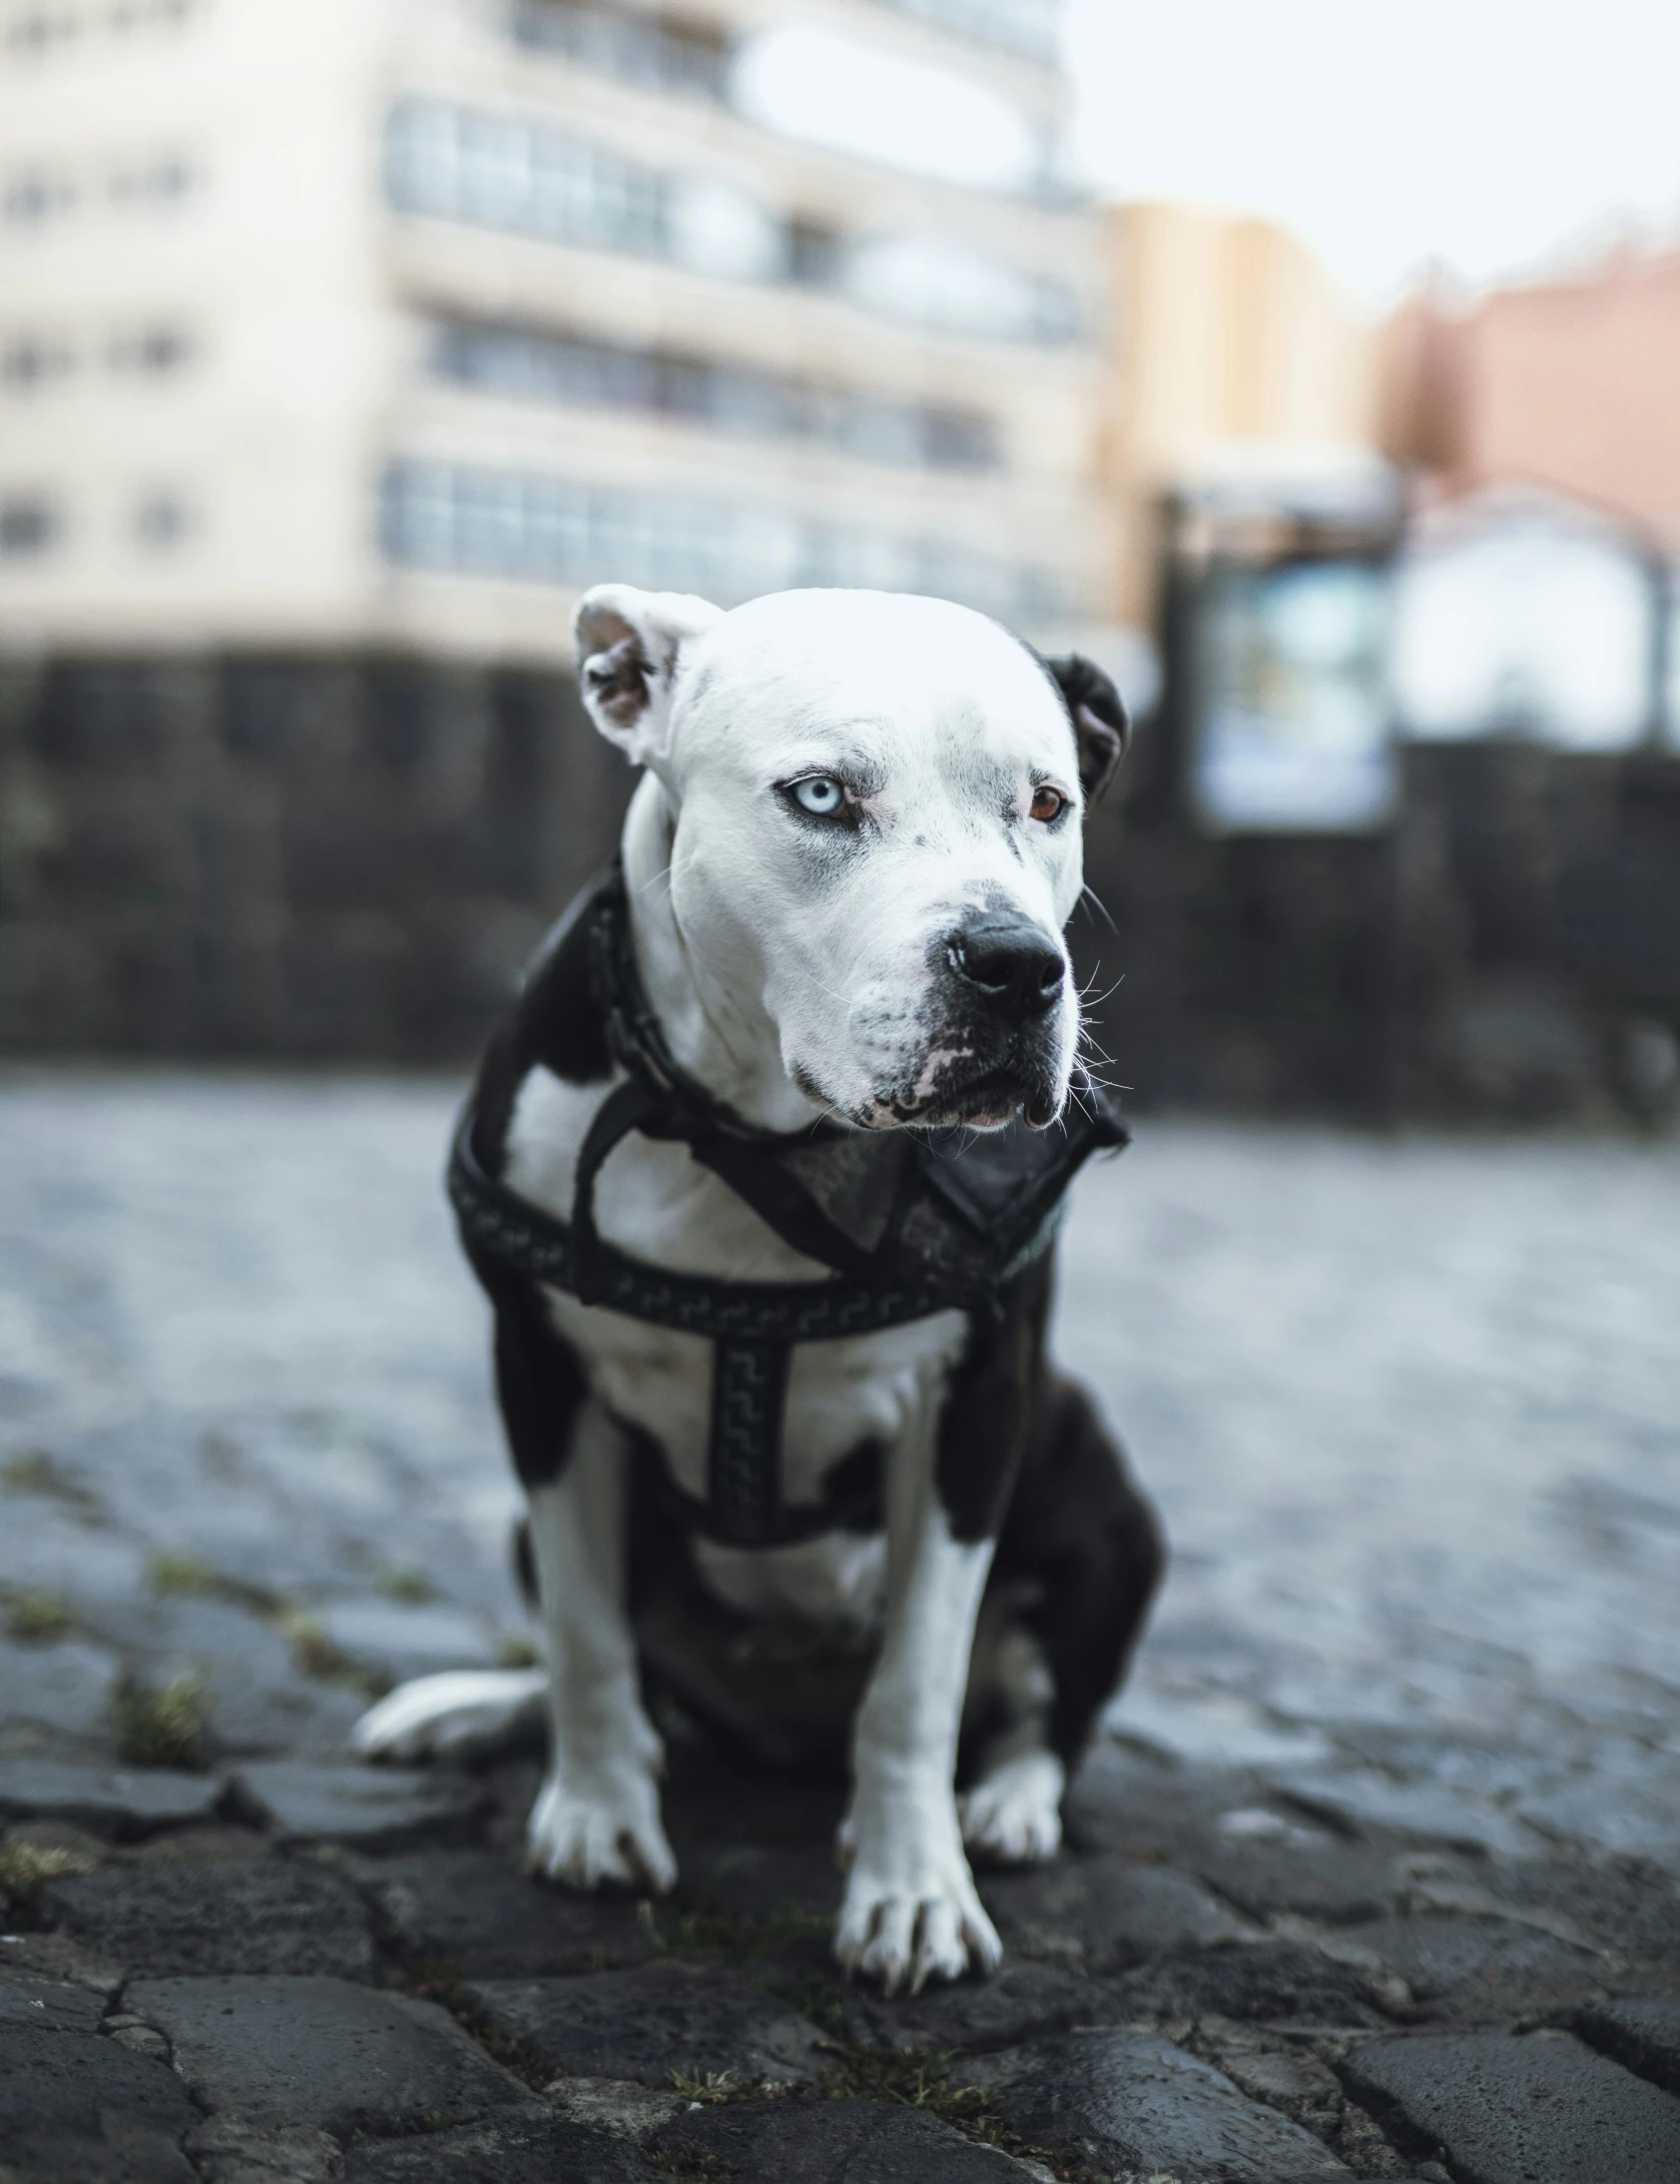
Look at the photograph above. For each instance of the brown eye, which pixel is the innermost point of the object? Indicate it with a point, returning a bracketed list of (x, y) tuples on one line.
[(1047, 805)]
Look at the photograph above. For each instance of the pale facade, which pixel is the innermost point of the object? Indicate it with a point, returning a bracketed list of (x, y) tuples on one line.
[(1231, 341), (390, 322)]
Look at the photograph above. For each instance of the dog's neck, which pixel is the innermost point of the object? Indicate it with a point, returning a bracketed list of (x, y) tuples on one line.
[(719, 1034)]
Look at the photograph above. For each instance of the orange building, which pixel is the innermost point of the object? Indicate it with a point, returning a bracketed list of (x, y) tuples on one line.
[(1573, 385)]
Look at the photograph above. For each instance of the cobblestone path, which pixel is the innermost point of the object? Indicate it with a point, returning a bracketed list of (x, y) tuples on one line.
[(1374, 1875)]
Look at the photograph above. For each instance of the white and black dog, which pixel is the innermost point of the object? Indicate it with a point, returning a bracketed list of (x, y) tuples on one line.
[(760, 1179)]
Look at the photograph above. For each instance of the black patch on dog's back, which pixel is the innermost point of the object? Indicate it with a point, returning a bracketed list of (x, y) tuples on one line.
[(557, 1025)]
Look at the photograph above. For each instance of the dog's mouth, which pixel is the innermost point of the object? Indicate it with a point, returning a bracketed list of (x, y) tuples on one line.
[(983, 1098)]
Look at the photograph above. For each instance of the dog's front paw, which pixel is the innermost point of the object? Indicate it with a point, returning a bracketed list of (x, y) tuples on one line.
[(911, 1912), (600, 1824), (458, 1714), (1015, 1813)]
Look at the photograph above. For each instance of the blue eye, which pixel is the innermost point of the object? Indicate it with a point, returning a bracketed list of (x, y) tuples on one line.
[(821, 794)]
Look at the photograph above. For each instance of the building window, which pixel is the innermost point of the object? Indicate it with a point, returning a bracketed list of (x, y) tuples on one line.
[(1020, 26), (816, 254), (29, 361), (662, 54), (40, 30), (28, 526), (33, 195), (528, 364), (131, 15), (162, 519), (151, 351), (499, 171), (448, 162), (547, 530), (162, 178)]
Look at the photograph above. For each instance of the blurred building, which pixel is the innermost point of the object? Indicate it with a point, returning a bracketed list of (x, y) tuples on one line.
[(1569, 385), (1232, 345), (1405, 832), (342, 342), (391, 321)]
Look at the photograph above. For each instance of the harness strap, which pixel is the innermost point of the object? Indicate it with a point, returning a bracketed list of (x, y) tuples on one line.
[(633, 1104), (744, 1466)]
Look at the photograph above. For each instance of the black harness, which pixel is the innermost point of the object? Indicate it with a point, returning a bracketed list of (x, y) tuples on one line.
[(912, 1223)]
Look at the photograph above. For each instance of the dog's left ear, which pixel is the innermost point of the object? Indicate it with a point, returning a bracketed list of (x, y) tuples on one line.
[(1100, 725), (628, 643)]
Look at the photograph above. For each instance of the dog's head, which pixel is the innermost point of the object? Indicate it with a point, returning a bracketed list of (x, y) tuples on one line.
[(876, 805)]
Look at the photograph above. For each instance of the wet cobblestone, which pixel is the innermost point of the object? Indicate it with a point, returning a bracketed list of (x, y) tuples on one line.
[(1374, 1872)]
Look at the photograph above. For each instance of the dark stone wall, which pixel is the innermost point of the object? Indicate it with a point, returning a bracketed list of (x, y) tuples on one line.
[(351, 859), (1512, 948), (318, 858)]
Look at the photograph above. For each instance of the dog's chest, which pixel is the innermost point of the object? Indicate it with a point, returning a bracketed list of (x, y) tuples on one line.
[(654, 1201)]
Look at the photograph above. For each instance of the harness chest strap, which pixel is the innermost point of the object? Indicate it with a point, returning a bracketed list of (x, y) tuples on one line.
[(752, 1325), (953, 1226)]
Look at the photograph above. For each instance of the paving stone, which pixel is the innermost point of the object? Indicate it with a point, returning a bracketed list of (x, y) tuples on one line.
[(761, 1882), (1477, 1970), (829, 2142), (1644, 2035), (513, 2149), (1104, 1912), (351, 1803), (269, 1914), (76, 2110), (648, 2023), (476, 1911), (1126, 2100), (1147, 1808), (1520, 2111), (320, 2053), (1274, 1983), (54, 1956), (52, 2002), (616, 2105), (110, 1801), (1302, 1875), (66, 1686), (1635, 1813), (1366, 1797), (1019, 2002), (1622, 1904), (259, 1700), (1292, 2078), (229, 2150), (398, 1642)]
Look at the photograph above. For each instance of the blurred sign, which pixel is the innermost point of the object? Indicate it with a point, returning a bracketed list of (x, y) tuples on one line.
[(1280, 582), (1519, 614), (1290, 726)]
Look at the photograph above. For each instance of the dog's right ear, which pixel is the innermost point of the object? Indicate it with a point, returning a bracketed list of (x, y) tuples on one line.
[(628, 643)]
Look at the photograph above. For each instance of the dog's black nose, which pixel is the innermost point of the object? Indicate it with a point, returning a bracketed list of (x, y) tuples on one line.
[(1011, 963)]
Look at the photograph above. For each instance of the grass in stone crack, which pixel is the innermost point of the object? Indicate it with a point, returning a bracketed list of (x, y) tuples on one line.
[(436, 1979), (179, 1573), (26, 1868), (162, 1727), (321, 1657), (37, 1618), (689, 2161), (925, 2082), (40, 1472), (515, 1652), (731, 1936), (410, 1588)]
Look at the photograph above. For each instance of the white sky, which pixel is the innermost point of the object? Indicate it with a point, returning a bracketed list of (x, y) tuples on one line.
[(1488, 135)]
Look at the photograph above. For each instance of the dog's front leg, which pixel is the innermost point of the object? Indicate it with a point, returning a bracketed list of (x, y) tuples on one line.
[(596, 1816), (912, 1910)]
